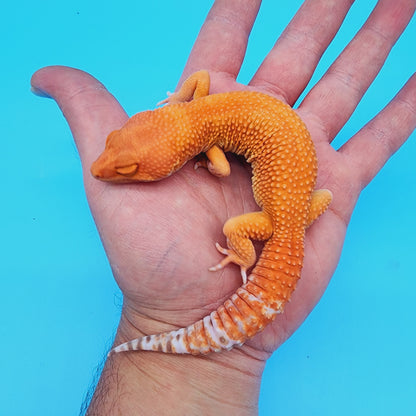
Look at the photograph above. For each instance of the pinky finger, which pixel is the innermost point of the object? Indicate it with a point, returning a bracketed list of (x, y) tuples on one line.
[(378, 140)]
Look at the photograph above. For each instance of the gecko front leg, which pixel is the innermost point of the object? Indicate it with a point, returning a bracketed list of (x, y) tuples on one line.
[(194, 87), (215, 161)]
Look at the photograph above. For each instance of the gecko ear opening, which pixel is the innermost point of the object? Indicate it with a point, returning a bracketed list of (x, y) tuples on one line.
[(129, 170)]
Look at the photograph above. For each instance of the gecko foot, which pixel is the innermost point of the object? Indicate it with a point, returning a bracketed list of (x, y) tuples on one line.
[(166, 100), (201, 162), (231, 258)]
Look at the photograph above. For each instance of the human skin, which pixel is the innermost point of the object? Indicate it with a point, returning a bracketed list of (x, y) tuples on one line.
[(160, 237)]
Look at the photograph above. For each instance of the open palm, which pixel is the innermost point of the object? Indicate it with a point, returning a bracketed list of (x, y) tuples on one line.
[(159, 237)]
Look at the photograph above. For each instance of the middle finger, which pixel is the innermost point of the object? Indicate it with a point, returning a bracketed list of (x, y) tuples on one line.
[(288, 67)]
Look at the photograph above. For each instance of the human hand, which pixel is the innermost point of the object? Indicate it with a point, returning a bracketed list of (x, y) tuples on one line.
[(160, 237)]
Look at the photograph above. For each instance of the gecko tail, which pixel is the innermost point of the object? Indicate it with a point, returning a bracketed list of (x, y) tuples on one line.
[(169, 342), (246, 313), (241, 317), (202, 337), (189, 340)]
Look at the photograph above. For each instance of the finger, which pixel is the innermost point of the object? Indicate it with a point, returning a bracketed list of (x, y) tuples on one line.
[(90, 110), (289, 66), (222, 41), (340, 90), (371, 147)]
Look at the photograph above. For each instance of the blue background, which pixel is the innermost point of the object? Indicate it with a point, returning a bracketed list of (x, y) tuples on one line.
[(355, 354)]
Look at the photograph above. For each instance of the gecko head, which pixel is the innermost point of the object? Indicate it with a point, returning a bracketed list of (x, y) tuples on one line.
[(129, 160)]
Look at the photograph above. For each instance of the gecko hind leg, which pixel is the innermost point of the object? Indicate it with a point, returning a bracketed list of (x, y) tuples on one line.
[(194, 87), (239, 232), (320, 201)]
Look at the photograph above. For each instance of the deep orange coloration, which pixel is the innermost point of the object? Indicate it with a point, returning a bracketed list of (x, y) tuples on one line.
[(270, 135)]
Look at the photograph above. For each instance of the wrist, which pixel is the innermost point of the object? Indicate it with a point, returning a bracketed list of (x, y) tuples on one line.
[(157, 383)]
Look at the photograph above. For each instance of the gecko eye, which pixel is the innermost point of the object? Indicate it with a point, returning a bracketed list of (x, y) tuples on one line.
[(129, 170)]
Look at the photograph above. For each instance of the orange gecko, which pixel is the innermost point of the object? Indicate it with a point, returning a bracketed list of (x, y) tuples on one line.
[(269, 134)]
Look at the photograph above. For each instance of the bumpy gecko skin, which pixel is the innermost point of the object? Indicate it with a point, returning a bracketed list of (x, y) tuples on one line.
[(269, 134)]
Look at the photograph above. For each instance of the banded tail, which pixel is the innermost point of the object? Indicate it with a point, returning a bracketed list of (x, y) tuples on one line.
[(243, 315)]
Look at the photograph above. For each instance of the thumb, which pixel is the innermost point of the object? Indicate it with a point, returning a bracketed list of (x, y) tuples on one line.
[(90, 110)]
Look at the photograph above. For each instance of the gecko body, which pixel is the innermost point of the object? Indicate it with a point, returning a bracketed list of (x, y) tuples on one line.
[(274, 140)]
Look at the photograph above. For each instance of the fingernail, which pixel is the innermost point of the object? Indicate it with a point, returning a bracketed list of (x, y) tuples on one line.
[(39, 92)]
